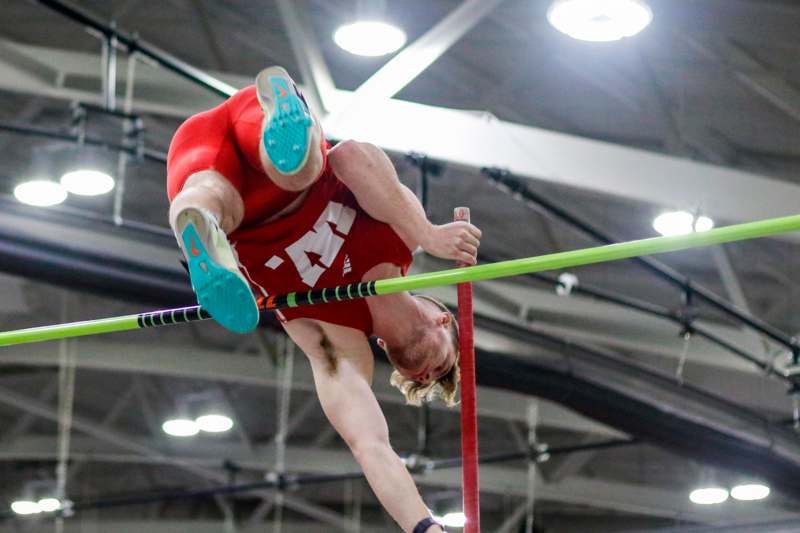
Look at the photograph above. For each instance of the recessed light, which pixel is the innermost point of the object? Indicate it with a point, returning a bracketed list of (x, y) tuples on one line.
[(708, 496), (455, 519), (40, 193), (214, 423), (599, 20), (750, 492), (49, 505), (180, 427), (681, 223), (370, 38), (25, 507), (87, 182)]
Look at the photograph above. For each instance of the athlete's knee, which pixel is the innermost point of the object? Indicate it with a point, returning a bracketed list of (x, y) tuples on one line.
[(210, 190)]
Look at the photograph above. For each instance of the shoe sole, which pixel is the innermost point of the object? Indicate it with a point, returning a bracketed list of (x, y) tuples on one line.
[(287, 136), (222, 293)]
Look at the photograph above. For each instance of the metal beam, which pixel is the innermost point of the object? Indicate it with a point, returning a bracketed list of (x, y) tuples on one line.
[(202, 363), (128, 442), (123, 441), (316, 76), (403, 68), (168, 525), (470, 140), (568, 465), (495, 479), (751, 73), (26, 420), (511, 523)]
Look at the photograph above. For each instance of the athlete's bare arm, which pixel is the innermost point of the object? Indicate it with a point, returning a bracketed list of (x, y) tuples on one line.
[(368, 172), (342, 364)]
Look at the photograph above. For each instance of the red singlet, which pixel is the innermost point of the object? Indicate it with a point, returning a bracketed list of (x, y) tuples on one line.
[(327, 241)]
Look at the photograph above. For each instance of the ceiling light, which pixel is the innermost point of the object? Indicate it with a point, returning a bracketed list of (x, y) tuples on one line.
[(214, 423), (709, 496), (41, 193), (702, 224), (370, 38), (180, 427), (86, 182), (750, 492), (49, 505), (599, 20), (681, 223), (452, 519), (25, 507)]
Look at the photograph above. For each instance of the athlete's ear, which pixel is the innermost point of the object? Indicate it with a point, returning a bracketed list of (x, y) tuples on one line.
[(382, 344), (444, 319)]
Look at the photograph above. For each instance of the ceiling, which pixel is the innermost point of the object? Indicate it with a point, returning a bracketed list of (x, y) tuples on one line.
[(716, 81)]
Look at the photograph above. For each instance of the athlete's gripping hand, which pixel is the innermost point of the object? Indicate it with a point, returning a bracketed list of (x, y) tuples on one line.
[(458, 241)]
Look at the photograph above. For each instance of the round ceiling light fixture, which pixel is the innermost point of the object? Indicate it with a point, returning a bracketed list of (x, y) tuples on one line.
[(87, 182), (708, 496), (370, 38), (214, 423), (681, 223), (455, 519), (25, 507), (750, 492), (40, 193), (180, 427), (49, 505), (599, 20)]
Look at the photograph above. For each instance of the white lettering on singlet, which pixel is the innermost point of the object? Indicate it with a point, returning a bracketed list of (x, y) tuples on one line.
[(320, 240)]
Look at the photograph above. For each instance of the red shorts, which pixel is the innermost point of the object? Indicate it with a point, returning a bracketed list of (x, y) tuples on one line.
[(227, 139)]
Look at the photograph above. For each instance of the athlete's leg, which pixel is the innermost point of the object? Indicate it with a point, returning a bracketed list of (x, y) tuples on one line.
[(201, 215), (211, 191), (292, 150)]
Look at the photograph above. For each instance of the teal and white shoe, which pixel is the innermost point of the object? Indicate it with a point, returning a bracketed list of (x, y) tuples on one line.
[(287, 135), (220, 287)]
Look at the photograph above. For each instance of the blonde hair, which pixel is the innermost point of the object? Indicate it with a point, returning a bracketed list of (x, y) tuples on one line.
[(444, 388)]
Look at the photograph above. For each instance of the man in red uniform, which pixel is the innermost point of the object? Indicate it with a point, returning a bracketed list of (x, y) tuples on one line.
[(259, 201)]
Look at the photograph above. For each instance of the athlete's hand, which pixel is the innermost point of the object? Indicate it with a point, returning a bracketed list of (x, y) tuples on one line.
[(457, 240)]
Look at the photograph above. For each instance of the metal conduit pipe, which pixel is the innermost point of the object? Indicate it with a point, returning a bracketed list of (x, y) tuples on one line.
[(688, 323), (133, 45), (148, 154), (505, 181)]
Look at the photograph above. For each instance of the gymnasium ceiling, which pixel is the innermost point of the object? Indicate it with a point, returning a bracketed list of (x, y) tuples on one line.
[(716, 81)]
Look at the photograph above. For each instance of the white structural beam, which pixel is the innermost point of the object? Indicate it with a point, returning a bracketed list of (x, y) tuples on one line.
[(479, 140), (201, 363), (182, 526), (153, 453), (751, 73), (502, 480), (464, 138), (403, 68), (319, 83), (122, 441)]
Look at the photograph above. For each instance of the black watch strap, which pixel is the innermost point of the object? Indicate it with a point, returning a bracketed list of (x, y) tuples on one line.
[(423, 525)]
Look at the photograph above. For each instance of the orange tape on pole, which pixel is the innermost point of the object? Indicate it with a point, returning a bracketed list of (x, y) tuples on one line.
[(469, 402)]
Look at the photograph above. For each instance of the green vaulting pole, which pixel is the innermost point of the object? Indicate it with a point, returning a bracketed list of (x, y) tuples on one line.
[(557, 261)]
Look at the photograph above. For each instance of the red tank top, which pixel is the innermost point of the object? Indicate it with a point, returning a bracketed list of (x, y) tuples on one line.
[(329, 240)]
